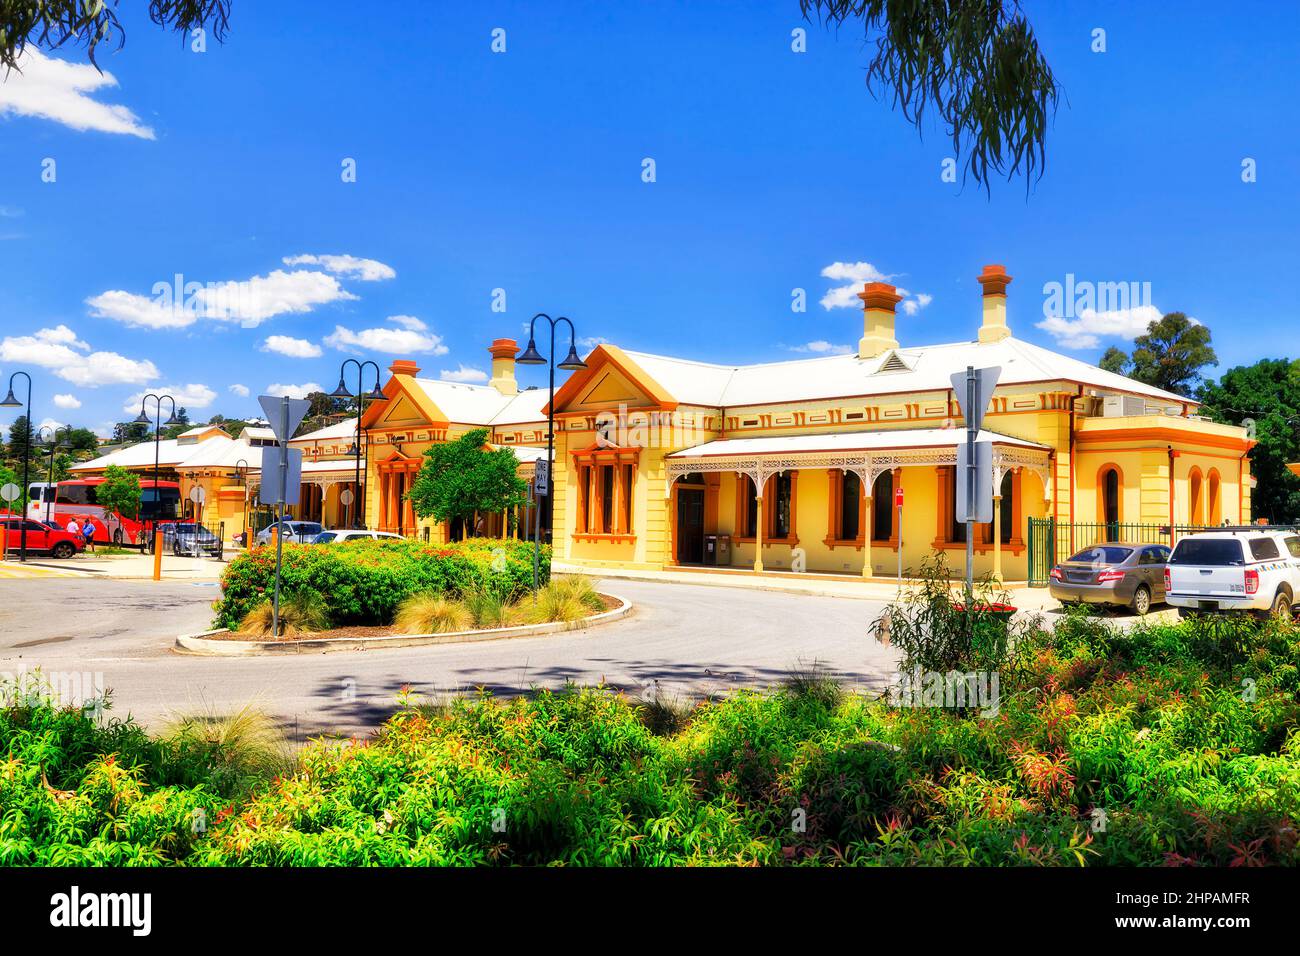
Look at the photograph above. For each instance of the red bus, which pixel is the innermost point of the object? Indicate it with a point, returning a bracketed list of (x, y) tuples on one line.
[(76, 498)]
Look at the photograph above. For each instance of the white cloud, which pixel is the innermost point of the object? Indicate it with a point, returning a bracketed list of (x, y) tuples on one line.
[(390, 341), (48, 88), (1087, 330), (591, 341), (51, 423), (71, 359), (857, 272), (408, 322), (351, 267), (822, 347), (66, 401), (186, 396), (855, 275), (240, 390), (249, 302), (463, 374), (294, 348), (293, 391)]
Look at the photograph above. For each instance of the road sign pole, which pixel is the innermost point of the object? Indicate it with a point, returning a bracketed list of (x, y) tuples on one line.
[(279, 517), (972, 427)]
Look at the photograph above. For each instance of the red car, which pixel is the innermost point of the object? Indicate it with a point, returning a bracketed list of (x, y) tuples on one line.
[(41, 537)]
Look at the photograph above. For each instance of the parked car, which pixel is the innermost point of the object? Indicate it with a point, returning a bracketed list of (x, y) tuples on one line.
[(186, 537), (295, 532), (1129, 575), (355, 534), (46, 538), (1235, 570)]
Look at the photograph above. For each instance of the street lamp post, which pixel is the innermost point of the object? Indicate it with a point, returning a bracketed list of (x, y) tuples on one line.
[(572, 362), (241, 474), (158, 423), (11, 402), (55, 444), (376, 394)]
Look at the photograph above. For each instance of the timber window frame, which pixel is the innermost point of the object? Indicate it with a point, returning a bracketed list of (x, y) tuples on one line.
[(606, 489)]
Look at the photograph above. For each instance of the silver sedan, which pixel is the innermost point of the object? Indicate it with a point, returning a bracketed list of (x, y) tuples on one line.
[(1120, 573)]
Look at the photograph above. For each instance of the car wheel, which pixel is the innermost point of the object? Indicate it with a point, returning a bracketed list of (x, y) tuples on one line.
[(63, 550), (1142, 600), (1281, 606)]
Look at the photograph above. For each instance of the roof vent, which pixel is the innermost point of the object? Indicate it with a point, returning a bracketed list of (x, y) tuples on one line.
[(893, 363)]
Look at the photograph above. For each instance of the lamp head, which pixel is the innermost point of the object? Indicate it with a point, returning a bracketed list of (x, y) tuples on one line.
[(530, 355), (342, 391), (573, 361), (10, 401)]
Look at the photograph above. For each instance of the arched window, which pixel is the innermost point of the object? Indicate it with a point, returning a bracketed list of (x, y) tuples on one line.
[(1196, 502), (1214, 506), (882, 511), (1008, 507), (1110, 486)]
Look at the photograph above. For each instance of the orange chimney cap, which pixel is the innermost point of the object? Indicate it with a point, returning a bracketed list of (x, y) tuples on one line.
[(404, 367), (503, 348), (995, 280), (879, 295)]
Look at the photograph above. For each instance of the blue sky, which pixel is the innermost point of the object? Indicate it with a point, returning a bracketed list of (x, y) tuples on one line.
[(522, 171)]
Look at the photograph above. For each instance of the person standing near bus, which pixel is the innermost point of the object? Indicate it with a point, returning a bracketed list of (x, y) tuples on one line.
[(72, 527), (88, 532)]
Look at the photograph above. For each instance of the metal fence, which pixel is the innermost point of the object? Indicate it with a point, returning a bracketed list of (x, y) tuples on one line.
[(1051, 542)]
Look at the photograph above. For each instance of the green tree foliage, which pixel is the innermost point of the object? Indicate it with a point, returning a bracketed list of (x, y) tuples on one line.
[(1115, 360), (9, 477), (1267, 394), (1170, 355), (130, 433), (462, 478), (975, 63), (22, 437), (51, 24), (119, 492), (83, 440)]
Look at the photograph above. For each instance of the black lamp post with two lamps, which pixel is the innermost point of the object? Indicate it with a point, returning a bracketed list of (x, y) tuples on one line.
[(342, 393), (12, 402), (143, 419), (55, 444), (572, 362)]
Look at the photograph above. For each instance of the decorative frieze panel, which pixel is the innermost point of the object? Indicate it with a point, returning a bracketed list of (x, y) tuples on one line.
[(868, 466)]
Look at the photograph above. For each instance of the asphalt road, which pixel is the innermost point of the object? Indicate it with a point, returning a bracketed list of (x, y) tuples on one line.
[(692, 640)]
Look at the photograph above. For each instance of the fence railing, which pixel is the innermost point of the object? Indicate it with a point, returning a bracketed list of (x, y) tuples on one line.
[(1051, 542)]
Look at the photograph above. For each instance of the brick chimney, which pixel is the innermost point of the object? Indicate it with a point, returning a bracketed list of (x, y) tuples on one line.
[(878, 302), (503, 353), (995, 280)]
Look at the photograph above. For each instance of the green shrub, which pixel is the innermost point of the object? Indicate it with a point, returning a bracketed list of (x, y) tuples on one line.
[(300, 612), (1191, 760), (428, 613), (364, 582)]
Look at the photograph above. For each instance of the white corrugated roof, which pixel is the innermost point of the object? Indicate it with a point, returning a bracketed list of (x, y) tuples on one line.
[(344, 430), (526, 453), (842, 376), (846, 441), (483, 404)]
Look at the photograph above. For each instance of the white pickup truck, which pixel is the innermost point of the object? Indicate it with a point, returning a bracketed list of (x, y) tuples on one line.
[(1235, 570)]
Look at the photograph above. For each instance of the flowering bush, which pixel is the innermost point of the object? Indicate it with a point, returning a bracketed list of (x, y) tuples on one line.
[(363, 582)]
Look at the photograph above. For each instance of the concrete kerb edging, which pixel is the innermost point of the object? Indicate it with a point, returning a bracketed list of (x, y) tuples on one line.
[(203, 644)]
